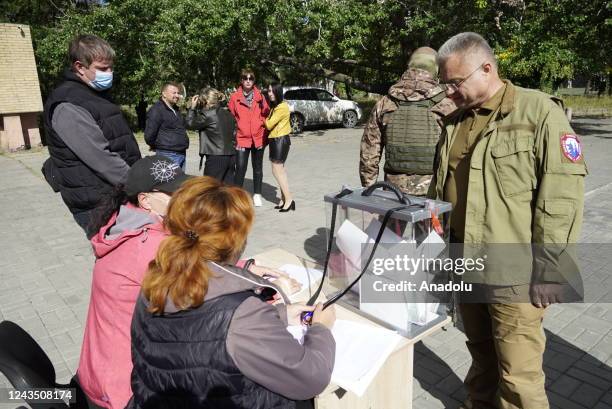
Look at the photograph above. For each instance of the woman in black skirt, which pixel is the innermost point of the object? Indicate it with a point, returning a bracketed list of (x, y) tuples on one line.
[(278, 140)]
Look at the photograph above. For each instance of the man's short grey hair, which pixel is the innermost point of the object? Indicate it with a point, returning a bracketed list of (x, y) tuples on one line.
[(466, 43)]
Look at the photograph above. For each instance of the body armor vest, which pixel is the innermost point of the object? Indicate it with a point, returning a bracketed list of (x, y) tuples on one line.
[(411, 137)]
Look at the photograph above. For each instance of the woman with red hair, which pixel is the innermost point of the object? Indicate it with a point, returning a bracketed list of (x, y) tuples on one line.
[(204, 333)]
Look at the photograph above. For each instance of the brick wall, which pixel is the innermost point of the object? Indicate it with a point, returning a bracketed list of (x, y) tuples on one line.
[(19, 88)]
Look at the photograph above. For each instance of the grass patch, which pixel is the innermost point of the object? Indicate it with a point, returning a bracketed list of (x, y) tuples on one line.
[(588, 102)]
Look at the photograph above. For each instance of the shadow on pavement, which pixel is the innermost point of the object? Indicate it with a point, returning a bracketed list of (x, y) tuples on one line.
[(268, 192), (575, 379), (315, 246), (591, 128)]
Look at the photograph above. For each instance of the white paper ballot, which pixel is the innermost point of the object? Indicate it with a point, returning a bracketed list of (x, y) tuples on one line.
[(308, 277), (388, 236), (361, 350), (432, 246), (297, 332), (349, 240)]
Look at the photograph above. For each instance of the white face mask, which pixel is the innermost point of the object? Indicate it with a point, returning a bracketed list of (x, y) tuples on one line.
[(102, 81)]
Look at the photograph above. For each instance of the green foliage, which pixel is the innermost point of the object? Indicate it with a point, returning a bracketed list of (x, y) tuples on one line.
[(206, 42)]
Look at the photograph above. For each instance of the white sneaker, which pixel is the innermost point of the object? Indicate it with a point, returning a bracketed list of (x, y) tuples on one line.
[(257, 200)]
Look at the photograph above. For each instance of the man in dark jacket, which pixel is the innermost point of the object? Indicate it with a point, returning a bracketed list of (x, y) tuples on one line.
[(165, 130), (90, 142)]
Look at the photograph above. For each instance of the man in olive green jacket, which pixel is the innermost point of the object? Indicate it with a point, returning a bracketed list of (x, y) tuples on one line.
[(513, 169)]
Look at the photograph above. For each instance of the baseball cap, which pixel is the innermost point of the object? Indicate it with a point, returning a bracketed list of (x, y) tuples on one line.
[(154, 173)]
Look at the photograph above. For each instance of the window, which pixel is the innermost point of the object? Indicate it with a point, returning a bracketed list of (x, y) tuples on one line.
[(322, 95), (294, 94)]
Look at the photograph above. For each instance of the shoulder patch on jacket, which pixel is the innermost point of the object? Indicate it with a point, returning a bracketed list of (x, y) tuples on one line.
[(570, 148)]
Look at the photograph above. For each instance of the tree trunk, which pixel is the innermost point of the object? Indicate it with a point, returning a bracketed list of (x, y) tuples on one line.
[(349, 91), (141, 113), (588, 86)]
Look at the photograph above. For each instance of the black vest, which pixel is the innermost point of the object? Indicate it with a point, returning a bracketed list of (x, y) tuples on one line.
[(80, 187), (181, 361)]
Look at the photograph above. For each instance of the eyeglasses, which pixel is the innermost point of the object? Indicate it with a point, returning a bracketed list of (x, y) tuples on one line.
[(456, 84), (248, 78)]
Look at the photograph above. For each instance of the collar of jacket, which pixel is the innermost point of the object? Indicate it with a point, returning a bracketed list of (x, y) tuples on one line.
[(161, 100), (508, 100), (507, 105), (257, 97)]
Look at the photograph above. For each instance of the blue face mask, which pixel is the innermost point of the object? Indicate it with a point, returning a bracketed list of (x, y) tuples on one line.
[(102, 81)]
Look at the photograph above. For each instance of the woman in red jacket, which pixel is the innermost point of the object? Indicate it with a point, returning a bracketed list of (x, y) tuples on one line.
[(250, 109)]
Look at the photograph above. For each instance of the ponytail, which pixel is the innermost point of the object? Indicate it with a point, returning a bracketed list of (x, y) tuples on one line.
[(207, 221)]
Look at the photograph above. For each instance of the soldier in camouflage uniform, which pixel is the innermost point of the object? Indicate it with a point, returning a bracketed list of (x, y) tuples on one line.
[(404, 125)]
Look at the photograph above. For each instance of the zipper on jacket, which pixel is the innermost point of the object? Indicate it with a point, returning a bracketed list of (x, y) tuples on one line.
[(145, 235)]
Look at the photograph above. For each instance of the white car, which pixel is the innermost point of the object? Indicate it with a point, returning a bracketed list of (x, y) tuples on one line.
[(314, 106)]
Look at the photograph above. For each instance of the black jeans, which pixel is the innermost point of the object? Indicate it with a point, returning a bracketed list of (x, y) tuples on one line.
[(242, 161), (220, 167)]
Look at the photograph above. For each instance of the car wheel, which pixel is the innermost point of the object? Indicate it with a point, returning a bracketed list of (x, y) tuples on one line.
[(349, 119), (297, 123)]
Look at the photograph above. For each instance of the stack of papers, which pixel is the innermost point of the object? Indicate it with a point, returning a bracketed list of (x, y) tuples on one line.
[(361, 350)]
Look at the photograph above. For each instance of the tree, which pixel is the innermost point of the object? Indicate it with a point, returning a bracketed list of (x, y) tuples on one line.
[(364, 43)]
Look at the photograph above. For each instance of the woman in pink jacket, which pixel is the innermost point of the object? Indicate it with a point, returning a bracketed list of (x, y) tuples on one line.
[(130, 229), (250, 110)]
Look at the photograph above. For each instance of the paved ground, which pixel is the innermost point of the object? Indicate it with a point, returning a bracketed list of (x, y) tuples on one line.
[(45, 267)]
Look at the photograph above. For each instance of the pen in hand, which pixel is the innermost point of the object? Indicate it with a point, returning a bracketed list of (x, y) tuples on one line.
[(325, 317)]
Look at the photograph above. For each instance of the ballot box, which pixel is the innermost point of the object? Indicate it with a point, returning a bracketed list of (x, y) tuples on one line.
[(387, 257)]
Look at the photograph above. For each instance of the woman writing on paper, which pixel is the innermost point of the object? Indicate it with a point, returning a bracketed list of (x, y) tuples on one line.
[(130, 227), (203, 334)]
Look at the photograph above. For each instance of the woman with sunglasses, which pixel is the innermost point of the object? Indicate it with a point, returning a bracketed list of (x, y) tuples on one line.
[(203, 333), (278, 125), (250, 110)]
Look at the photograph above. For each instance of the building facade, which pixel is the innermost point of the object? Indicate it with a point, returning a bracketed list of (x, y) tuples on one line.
[(20, 97)]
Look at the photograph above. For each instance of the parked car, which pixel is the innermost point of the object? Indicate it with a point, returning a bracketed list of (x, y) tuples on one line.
[(314, 106)]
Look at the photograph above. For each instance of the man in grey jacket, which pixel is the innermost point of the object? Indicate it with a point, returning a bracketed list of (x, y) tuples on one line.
[(91, 146)]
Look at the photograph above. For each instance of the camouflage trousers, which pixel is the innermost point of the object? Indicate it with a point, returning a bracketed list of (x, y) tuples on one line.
[(416, 185)]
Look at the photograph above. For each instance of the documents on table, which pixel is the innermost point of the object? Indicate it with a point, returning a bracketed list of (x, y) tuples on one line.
[(308, 277), (361, 350)]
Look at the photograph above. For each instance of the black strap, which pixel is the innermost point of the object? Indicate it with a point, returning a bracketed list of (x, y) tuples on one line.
[(247, 265), (201, 160), (367, 264), (330, 242)]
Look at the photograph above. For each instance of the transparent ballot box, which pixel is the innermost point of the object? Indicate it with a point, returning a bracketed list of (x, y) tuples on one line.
[(384, 254)]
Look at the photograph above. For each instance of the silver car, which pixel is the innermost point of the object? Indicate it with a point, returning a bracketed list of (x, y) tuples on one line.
[(314, 106)]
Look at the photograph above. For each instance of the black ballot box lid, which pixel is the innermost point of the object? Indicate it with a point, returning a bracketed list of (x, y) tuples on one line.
[(380, 201)]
